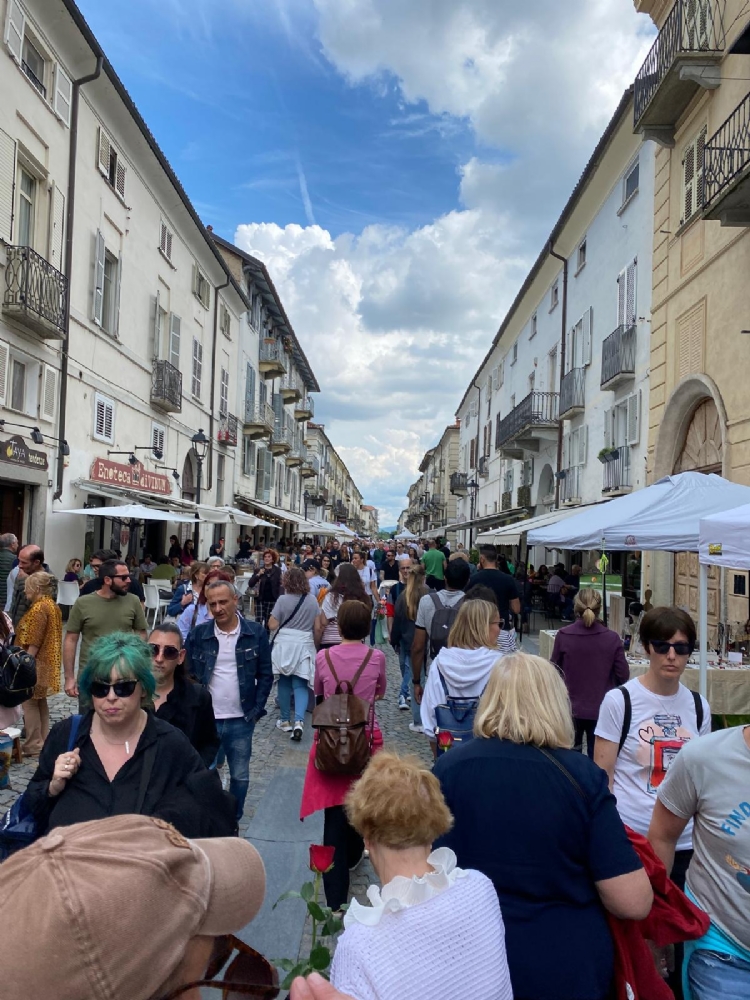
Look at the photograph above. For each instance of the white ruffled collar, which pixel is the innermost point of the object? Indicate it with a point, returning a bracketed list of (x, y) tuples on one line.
[(401, 892)]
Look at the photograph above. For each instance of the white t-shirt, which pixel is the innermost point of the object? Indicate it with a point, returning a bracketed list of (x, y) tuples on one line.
[(225, 684), (368, 574), (403, 557), (660, 726), (426, 609)]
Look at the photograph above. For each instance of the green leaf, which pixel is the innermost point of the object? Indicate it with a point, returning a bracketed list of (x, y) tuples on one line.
[(307, 891), (332, 926), (292, 894), (316, 910), (320, 958), (301, 969), (283, 963)]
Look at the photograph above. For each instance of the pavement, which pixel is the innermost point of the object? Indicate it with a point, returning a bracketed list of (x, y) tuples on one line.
[(271, 816)]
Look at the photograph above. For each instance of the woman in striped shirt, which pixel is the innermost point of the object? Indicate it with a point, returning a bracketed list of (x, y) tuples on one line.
[(347, 587)]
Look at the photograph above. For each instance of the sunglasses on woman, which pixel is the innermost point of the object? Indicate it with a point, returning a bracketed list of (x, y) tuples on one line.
[(168, 652), (123, 689), (661, 646)]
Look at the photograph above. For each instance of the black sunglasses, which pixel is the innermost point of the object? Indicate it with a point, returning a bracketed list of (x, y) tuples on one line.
[(121, 576), (248, 974), (123, 689), (661, 646), (168, 652)]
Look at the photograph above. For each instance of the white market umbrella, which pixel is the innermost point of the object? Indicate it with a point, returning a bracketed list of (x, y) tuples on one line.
[(404, 535), (132, 511)]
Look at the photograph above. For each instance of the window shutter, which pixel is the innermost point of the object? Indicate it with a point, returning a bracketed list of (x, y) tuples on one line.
[(583, 444), (104, 418), (157, 437), (588, 322), (15, 22), (634, 417), (566, 450), (631, 315), (63, 94), (58, 229), (120, 178), (49, 393), (622, 282), (249, 392), (104, 151), (4, 358), (98, 278), (197, 366), (155, 345), (608, 428), (7, 185), (501, 372), (165, 240), (174, 341), (118, 276), (224, 393), (700, 160), (688, 180)]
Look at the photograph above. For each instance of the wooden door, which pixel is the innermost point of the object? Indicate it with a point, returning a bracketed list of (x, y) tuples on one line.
[(11, 510)]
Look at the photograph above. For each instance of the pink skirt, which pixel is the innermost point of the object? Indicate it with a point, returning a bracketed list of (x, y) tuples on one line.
[(321, 791)]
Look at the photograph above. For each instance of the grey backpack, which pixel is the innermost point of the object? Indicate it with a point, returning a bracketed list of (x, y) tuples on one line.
[(442, 621)]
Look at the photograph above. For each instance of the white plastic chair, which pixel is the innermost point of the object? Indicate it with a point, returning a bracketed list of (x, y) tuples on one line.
[(153, 601), (67, 593)]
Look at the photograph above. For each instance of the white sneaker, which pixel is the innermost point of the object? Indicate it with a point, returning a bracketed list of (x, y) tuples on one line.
[(283, 725), (414, 727), (403, 704), (297, 732)]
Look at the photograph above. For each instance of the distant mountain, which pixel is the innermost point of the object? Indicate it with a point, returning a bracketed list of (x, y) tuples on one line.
[(390, 531)]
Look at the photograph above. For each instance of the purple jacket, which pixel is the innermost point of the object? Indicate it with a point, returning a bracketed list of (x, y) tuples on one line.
[(592, 662)]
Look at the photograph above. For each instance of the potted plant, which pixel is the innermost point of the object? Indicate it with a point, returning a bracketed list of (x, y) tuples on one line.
[(608, 455)]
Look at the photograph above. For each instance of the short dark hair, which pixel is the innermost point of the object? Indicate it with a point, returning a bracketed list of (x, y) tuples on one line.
[(489, 553), (354, 620), (35, 553), (663, 623), (457, 574), (480, 593), (310, 564), (106, 555), (109, 568), (169, 628)]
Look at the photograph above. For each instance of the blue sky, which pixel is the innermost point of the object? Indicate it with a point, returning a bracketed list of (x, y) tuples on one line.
[(397, 165)]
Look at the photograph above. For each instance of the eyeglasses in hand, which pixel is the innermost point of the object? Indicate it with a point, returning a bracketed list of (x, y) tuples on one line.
[(249, 974)]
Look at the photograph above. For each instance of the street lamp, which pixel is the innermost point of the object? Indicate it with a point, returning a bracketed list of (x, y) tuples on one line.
[(200, 447), (473, 487)]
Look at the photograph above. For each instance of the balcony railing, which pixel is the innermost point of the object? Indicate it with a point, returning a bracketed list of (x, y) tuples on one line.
[(281, 438), (523, 497), (34, 78), (36, 293), (572, 392), (616, 472), (259, 420), (618, 357), (570, 486), (310, 465), (227, 432), (291, 386), (727, 169), (304, 409), (692, 33), (506, 502), (483, 467), (537, 410), (459, 483), (273, 359), (166, 386)]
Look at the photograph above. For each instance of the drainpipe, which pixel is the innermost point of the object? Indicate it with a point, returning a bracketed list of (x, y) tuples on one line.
[(552, 253), (63, 400), (211, 439), (475, 492)]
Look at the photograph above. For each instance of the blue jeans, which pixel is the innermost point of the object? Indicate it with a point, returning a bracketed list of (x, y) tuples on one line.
[(289, 686), (236, 741), (404, 661), (713, 976), (416, 710)]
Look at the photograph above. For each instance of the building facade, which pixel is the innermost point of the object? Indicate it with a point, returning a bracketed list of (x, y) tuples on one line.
[(432, 506), (331, 494)]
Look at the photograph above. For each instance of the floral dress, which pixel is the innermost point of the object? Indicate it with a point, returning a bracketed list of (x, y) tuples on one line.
[(42, 626)]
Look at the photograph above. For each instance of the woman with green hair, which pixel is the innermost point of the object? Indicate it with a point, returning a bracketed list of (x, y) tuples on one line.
[(121, 758)]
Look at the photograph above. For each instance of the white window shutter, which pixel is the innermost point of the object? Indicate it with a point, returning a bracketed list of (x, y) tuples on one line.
[(583, 443), (49, 393), (57, 232), (63, 94), (588, 322), (103, 152), (118, 279), (634, 417), (7, 185), (120, 178), (4, 359), (174, 341), (631, 304), (155, 345), (501, 372), (99, 250), (15, 22), (700, 161), (608, 428), (688, 181), (621, 297), (566, 450)]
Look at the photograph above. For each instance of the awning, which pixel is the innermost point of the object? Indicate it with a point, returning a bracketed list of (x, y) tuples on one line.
[(131, 512), (511, 534), (179, 505), (278, 512), (487, 521)]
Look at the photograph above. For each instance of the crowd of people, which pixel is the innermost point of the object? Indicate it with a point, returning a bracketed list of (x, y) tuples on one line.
[(532, 861)]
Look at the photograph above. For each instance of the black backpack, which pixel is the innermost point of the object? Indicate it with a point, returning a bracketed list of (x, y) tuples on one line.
[(628, 716), (17, 676), (442, 621)]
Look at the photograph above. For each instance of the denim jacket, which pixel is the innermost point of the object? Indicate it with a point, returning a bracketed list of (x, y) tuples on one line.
[(253, 663)]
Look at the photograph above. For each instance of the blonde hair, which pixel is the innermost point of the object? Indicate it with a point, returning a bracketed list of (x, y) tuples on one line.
[(71, 564), (38, 585), (414, 587), (471, 629), (398, 803), (525, 701), (460, 554), (587, 605)]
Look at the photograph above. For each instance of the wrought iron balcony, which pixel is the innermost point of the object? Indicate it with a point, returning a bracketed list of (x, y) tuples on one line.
[(570, 486), (291, 387), (727, 169), (523, 497), (310, 466), (535, 414), (506, 502), (459, 484), (304, 408), (618, 357), (166, 386), (684, 57), (281, 439), (259, 421), (36, 293), (572, 392), (227, 432), (616, 472), (273, 359), (293, 457)]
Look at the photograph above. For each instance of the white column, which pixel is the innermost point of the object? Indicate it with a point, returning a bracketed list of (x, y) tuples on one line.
[(703, 627)]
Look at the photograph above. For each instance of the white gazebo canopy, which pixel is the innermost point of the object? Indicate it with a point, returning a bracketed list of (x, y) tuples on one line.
[(131, 511), (404, 534), (724, 539)]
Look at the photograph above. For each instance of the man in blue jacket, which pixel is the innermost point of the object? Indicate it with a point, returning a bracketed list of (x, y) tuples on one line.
[(231, 656)]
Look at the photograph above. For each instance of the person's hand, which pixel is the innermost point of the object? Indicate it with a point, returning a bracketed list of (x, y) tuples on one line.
[(71, 687), (66, 766), (418, 692), (186, 599), (315, 987)]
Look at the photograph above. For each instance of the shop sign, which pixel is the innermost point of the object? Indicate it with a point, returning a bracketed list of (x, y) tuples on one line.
[(16, 450), (134, 477)]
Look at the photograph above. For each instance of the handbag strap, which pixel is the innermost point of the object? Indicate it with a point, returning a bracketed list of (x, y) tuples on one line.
[(565, 771), (75, 723), (286, 621), (149, 757)]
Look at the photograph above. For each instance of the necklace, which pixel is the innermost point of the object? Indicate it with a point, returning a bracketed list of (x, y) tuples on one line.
[(122, 743)]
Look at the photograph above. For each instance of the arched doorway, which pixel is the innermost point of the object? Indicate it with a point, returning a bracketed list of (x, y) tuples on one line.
[(546, 489), (187, 486)]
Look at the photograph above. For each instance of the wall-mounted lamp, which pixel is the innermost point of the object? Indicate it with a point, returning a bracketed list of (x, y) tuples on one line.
[(156, 452), (175, 473)]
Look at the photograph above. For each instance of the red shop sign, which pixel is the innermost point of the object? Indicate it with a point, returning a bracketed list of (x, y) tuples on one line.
[(135, 477)]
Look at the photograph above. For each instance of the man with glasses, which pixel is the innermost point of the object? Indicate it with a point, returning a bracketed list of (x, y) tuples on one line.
[(110, 608), (96, 562)]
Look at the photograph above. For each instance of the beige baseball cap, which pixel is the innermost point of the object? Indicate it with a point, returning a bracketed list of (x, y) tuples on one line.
[(104, 910)]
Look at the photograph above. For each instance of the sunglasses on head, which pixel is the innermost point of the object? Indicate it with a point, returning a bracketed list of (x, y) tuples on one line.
[(661, 646), (123, 689), (168, 652)]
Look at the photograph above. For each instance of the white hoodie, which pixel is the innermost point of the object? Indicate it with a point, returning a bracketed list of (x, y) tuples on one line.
[(465, 671)]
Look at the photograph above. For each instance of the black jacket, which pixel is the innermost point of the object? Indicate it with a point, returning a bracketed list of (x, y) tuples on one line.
[(189, 708), (269, 585), (180, 789), (402, 627)]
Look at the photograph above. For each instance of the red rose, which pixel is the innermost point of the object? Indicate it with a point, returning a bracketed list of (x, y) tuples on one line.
[(321, 858), (444, 740)]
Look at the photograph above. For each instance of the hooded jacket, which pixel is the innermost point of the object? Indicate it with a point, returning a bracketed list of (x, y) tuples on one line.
[(465, 671)]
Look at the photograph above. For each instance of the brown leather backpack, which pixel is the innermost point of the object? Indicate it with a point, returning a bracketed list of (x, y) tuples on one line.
[(343, 745)]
